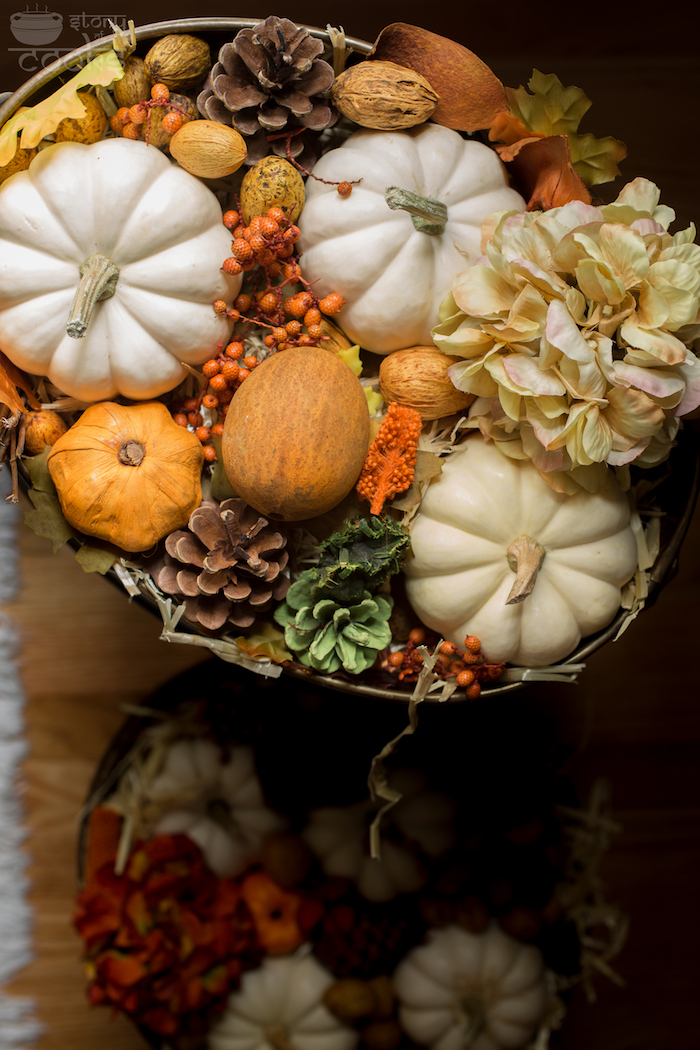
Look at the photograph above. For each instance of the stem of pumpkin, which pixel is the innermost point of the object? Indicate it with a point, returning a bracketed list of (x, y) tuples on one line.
[(131, 453), (98, 280), (428, 215), (473, 1017), (525, 557)]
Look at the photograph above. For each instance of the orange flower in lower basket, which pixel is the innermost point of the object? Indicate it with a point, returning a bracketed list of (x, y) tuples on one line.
[(391, 461), (167, 940), (275, 913)]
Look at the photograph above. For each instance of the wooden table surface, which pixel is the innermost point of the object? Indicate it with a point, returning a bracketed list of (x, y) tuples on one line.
[(634, 718)]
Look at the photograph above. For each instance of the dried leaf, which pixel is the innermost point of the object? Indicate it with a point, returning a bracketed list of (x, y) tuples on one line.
[(551, 108), (95, 559), (596, 160), (428, 466), (35, 122), (10, 379), (470, 94), (46, 519), (545, 176), (510, 129), (268, 642)]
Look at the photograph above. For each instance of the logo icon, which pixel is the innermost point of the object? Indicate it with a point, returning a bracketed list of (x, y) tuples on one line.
[(35, 28)]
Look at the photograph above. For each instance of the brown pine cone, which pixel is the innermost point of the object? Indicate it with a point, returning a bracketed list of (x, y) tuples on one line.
[(227, 565), (366, 942), (269, 81)]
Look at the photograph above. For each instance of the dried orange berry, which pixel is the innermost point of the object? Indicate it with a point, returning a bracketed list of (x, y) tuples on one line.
[(209, 401), (220, 306), (191, 404), (472, 643), (231, 219), (395, 659), (243, 374), (217, 382), (268, 303), (276, 213), (211, 368), (195, 419), (138, 113), (293, 328), (473, 691), (160, 93), (203, 433), (131, 131), (232, 266), (315, 331), (181, 419), (269, 227), (344, 189), (417, 636), (312, 316), (217, 430), (331, 303), (171, 122), (243, 302), (465, 678), (250, 361), (241, 249), (209, 453), (230, 370)]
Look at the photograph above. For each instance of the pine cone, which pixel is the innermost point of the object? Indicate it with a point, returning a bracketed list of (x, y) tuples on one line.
[(270, 80), (228, 564), (365, 943)]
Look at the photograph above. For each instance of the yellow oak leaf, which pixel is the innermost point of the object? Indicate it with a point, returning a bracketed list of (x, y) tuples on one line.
[(550, 108), (594, 159), (33, 123)]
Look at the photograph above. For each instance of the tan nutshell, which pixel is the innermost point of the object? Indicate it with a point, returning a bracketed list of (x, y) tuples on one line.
[(179, 61), (417, 378), (272, 182), (208, 149), (384, 96), (135, 85)]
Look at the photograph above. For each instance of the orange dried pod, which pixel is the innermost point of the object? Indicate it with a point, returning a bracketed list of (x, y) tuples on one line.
[(42, 427), (127, 474)]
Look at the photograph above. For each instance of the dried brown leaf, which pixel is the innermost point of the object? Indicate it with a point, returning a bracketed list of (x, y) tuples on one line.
[(470, 94), (10, 379), (544, 174)]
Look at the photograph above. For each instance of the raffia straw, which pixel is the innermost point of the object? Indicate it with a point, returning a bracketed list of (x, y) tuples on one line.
[(136, 581), (589, 832), (377, 779), (341, 51)]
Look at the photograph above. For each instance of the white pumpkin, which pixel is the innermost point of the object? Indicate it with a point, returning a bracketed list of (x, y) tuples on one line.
[(216, 802), (420, 825), (483, 991), (393, 275), (485, 526), (281, 1005), (123, 212)]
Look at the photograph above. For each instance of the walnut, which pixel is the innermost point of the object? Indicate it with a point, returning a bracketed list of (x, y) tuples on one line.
[(383, 95)]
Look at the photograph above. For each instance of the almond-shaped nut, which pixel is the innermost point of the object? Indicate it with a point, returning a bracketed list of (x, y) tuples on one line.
[(383, 96), (417, 378), (208, 149)]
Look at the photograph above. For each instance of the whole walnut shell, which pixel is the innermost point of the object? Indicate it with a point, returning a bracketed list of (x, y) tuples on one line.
[(383, 96), (417, 378), (179, 61)]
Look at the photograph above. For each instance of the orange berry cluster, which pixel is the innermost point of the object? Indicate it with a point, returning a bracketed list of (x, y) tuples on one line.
[(267, 244), (128, 121), (467, 667), (224, 373)]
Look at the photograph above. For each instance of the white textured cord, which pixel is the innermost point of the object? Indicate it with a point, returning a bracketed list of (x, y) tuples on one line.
[(18, 1027)]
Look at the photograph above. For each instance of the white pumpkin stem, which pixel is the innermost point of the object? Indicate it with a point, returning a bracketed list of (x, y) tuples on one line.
[(428, 215), (98, 280), (277, 1036), (525, 556), (473, 1016)]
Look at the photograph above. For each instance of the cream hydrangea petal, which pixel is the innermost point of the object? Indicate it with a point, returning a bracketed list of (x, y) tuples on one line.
[(653, 341), (676, 272), (577, 244), (546, 428), (666, 387), (641, 195), (471, 377), (690, 370), (549, 283), (481, 292), (624, 250), (632, 414), (682, 304), (621, 457), (545, 461), (527, 376), (585, 382), (599, 283), (462, 336), (563, 333), (653, 310)]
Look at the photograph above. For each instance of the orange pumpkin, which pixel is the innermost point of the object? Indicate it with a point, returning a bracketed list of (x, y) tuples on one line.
[(274, 912), (127, 474)]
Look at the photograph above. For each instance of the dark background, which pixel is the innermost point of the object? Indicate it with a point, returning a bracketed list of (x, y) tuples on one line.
[(635, 716)]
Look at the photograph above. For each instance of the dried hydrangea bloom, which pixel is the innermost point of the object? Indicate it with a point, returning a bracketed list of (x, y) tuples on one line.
[(576, 330)]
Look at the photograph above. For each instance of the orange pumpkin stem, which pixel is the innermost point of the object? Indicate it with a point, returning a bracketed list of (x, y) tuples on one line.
[(131, 453)]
